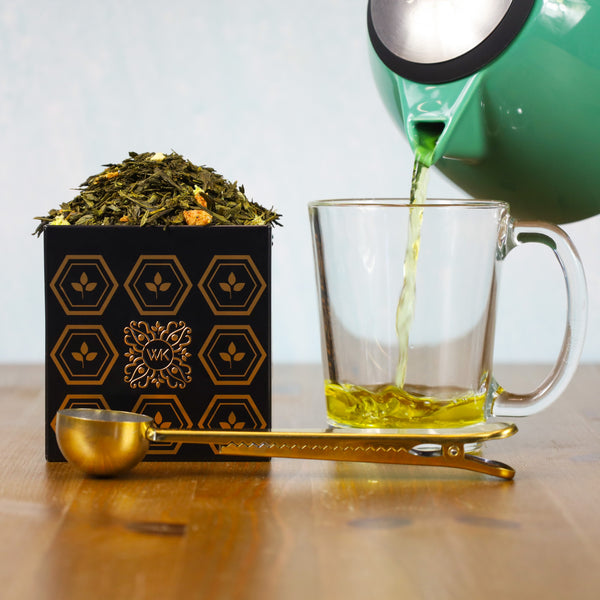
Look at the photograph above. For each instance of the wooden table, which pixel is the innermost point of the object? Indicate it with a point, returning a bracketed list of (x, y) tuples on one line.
[(306, 529)]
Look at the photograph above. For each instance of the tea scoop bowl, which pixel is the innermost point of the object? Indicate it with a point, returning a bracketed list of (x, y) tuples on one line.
[(103, 442)]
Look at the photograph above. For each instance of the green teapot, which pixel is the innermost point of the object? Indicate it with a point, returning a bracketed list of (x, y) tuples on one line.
[(508, 90)]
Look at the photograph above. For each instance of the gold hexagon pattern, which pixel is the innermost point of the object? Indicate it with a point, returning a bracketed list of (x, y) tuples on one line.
[(81, 401), (231, 412), (232, 355), (232, 285), (83, 284), (158, 284), (168, 413), (84, 354)]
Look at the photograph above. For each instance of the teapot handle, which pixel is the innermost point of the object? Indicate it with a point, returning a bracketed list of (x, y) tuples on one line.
[(520, 405)]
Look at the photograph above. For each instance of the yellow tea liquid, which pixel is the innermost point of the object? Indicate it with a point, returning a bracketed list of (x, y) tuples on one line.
[(391, 407)]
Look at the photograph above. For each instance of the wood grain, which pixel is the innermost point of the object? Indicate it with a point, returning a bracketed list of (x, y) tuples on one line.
[(306, 529)]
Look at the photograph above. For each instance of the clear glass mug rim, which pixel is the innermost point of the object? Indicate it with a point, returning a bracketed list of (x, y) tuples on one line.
[(405, 202)]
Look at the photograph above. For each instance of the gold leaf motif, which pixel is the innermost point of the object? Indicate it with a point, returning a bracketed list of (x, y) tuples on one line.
[(232, 355), (232, 285), (157, 284), (158, 419), (84, 355), (84, 284), (232, 422)]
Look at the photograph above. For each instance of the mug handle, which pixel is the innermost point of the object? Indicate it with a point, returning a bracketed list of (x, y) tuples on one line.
[(508, 404)]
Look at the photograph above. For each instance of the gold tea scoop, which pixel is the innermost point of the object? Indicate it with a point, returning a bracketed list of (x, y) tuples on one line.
[(108, 442)]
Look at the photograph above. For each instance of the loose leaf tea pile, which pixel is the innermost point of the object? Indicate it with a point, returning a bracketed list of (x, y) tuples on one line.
[(160, 190)]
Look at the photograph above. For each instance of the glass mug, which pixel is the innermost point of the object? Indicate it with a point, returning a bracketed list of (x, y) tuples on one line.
[(425, 360)]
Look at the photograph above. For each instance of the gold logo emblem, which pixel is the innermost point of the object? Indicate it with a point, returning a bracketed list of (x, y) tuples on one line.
[(157, 354)]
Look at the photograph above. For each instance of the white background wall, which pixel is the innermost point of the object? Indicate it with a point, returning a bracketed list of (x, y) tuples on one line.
[(275, 94)]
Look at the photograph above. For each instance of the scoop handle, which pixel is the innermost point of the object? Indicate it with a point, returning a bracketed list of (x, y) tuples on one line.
[(443, 449)]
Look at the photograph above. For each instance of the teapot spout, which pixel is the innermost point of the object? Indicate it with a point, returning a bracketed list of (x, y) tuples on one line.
[(445, 120), (424, 138)]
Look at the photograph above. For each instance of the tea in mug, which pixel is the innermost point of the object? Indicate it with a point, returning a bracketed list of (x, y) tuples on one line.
[(391, 407)]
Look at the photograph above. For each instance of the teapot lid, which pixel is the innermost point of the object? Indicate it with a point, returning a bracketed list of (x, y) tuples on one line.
[(436, 41)]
